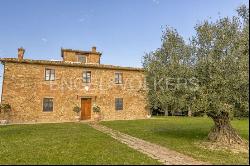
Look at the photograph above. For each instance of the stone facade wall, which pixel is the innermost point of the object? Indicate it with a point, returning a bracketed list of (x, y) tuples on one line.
[(69, 56), (72, 57), (24, 88), (93, 58)]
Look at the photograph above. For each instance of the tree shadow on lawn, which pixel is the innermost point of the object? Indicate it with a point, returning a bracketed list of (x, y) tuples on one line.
[(191, 142), (197, 134), (186, 136)]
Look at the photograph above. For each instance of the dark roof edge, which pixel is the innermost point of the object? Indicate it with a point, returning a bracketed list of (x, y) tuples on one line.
[(72, 64), (80, 51)]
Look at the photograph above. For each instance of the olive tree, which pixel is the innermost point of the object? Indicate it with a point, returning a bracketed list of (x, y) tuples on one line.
[(221, 52), (217, 59)]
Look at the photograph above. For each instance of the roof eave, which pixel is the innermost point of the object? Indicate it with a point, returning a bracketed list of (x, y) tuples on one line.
[(62, 63), (79, 51)]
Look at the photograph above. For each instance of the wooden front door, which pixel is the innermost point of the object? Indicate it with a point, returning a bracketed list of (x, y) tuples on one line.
[(85, 109)]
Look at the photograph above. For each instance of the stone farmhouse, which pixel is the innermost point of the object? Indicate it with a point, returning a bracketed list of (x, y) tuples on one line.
[(48, 91)]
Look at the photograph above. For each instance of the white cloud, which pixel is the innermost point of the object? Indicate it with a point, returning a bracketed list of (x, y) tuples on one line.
[(81, 20), (83, 17), (44, 40), (157, 2)]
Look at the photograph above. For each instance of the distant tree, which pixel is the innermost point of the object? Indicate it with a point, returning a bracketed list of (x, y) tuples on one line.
[(168, 70)]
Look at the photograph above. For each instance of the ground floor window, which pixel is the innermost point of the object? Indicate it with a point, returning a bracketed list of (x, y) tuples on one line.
[(47, 104), (118, 104)]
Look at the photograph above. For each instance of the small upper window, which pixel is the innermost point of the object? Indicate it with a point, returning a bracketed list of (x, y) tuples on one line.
[(47, 104), (118, 78), (86, 76), (118, 104), (49, 74), (82, 58)]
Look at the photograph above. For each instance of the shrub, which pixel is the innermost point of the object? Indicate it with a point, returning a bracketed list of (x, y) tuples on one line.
[(96, 109), (198, 113), (5, 108), (76, 109)]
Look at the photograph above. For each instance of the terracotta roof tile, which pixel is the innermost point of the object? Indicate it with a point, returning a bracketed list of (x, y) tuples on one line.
[(63, 63)]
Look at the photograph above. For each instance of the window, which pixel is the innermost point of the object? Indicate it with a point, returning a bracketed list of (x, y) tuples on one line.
[(49, 74), (82, 58), (118, 104), (86, 76), (118, 78), (47, 104)]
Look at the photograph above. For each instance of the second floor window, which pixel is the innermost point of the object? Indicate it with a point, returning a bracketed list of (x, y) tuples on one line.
[(86, 76), (49, 74), (118, 78), (82, 58)]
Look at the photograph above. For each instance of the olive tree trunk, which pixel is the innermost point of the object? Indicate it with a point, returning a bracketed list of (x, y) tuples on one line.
[(166, 111), (189, 112), (223, 131)]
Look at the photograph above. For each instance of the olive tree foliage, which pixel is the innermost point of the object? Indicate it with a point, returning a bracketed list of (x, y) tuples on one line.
[(167, 72), (221, 49), (209, 74)]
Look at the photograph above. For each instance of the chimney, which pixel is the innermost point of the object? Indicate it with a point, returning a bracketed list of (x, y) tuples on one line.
[(93, 49), (21, 53)]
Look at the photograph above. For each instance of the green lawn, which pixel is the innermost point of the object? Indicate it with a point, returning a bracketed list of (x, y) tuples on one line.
[(67, 143), (182, 134)]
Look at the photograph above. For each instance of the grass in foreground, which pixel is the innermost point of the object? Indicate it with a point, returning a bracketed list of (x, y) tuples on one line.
[(182, 134), (67, 143)]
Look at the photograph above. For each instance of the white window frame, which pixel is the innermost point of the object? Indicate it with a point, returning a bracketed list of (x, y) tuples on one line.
[(119, 79), (83, 76), (45, 74)]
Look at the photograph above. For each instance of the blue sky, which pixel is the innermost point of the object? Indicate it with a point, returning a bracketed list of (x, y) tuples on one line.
[(124, 30)]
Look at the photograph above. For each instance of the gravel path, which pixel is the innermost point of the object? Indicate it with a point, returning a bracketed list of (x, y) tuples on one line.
[(162, 154)]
